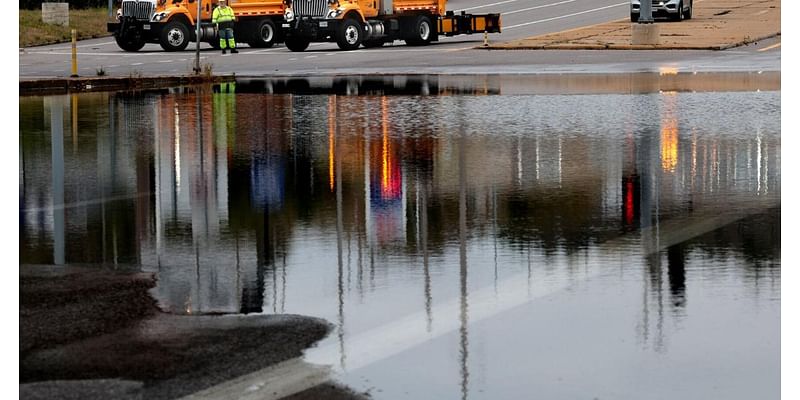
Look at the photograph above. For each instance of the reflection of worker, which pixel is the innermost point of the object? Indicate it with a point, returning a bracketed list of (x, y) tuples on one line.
[(223, 17)]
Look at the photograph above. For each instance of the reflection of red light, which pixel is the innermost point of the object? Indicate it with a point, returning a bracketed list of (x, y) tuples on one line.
[(390, 171), (629, 202)]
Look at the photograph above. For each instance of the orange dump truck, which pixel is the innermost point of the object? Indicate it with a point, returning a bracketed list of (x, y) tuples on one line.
[(371, 23), (172, 23)]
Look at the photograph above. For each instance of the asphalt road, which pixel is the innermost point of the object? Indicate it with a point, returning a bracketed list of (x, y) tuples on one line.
[(454, 55)]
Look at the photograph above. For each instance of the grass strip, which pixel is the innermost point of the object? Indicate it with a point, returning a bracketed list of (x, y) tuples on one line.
[(90, 23)]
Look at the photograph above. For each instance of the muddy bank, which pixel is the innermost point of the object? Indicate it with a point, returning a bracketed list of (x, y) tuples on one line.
[(92, 333)]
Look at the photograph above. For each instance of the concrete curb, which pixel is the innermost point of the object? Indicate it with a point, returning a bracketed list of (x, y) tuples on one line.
[(574, 46), (52, 86)]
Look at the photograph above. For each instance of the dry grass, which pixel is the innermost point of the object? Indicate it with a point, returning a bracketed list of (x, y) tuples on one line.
[(90, 23)]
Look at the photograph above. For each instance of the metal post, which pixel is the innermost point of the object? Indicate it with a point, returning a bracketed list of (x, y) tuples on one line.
[(645, 12), (110, 8), (74, 54), (197, 38)]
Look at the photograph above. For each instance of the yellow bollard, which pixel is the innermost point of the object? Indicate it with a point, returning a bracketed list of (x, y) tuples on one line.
[(74, 54), (485, 39)]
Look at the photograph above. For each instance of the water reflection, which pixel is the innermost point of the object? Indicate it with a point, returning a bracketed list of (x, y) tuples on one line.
[(440, 211)]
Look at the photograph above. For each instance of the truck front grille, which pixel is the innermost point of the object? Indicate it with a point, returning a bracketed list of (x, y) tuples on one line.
[(137, 9), (310, 8)]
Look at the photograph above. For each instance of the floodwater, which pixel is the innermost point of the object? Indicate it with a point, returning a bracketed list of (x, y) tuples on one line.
[(465, 242)]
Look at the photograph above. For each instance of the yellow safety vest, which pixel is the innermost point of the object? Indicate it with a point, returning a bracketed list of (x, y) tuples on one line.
[(222, 14)]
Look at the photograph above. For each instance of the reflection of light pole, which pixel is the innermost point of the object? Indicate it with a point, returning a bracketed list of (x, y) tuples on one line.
[(57, 167), (462, 239)]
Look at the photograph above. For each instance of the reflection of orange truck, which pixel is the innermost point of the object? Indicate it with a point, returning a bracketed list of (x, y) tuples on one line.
[(371, 23), (172, 23)]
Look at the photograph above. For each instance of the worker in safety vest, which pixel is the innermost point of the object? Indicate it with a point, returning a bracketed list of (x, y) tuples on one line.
[(223, 17)]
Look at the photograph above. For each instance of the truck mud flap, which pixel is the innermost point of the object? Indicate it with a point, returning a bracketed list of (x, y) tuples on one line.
[(463, 24)]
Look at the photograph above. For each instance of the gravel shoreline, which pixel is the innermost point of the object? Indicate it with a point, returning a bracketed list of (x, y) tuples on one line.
[(93, 333)]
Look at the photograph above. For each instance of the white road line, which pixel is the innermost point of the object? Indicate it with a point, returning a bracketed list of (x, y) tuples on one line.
[(311, 56), (165, 61), (770, 47), (538, 7), (567, 16), (83, 45), (487, 5), (137, 63)]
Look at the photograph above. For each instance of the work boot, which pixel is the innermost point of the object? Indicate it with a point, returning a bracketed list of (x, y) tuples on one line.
[(234, 51), (224, 51)]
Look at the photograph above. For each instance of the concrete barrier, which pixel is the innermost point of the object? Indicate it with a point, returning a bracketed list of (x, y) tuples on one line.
[(55, 13)]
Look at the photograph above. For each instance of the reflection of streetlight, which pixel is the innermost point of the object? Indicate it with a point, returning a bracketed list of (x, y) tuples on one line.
[(331, 138), (667, 71), (669, 134)]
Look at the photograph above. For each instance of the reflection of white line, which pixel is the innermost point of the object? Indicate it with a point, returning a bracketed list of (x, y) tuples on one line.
[(87, 202), (380, 343), (567, 16)]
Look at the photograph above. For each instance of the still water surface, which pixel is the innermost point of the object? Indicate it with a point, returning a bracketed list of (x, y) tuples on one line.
[(465, 245)]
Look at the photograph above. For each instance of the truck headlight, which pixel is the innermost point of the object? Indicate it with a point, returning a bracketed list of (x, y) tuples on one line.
[(334, 13), (288, 15), (160, 16)]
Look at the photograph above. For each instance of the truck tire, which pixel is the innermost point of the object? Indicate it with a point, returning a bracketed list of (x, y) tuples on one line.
[(296, 44), (265, 34), (174, 36), (130, 42), (350, 34), (421, 31)]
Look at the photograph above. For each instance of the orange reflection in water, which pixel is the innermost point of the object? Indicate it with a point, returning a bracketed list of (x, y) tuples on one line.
[(390, 179), (331, 139), (669, 133)]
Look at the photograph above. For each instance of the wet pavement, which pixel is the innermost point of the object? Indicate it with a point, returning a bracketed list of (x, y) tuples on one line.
[(466, 240)]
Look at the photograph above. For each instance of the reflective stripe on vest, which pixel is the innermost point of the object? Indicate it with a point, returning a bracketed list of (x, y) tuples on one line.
[(222, 14)]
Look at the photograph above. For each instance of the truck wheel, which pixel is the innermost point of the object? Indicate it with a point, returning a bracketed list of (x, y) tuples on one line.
[(296, 44), (265, 34), (174, 36), (421, 32), (349, 34), (130, 42)]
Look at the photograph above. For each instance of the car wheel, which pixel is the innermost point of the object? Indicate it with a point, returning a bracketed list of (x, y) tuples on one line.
[(679, 15), (688, 14), (174, 36), (634, 17), (349, 34)]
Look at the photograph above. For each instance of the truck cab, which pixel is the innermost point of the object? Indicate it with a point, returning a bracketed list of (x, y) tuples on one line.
[(172, 23)]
